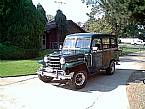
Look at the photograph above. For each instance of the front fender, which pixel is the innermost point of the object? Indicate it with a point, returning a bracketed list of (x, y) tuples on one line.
[(76, 66)]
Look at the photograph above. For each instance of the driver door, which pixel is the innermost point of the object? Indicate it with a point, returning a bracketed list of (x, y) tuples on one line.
[(96, 53)]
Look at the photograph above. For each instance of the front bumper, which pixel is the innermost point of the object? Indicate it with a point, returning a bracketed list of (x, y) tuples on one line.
[(58, 74)]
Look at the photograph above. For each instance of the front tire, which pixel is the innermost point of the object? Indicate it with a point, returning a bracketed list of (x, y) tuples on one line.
[(79, 80), (144, 81), (45, 79), (111, 69)]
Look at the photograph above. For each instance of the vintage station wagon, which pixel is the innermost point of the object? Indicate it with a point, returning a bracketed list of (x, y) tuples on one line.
[(82, 55)]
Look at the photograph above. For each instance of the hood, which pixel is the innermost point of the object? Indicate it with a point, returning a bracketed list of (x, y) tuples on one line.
[(70, 56)]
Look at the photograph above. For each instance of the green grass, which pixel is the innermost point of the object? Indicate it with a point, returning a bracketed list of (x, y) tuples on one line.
[(18, 68), (21, 67), (127, 49), (27, 67)]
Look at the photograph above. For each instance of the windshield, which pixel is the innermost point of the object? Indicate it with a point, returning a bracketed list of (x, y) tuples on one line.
[(83, 43), (69, 43)]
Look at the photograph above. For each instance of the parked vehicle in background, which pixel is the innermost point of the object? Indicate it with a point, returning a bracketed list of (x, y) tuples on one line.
[(126, 40), (133, 41), (137, 42), (82, 55)]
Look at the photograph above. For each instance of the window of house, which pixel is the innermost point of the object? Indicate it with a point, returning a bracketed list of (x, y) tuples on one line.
[(44, 40)]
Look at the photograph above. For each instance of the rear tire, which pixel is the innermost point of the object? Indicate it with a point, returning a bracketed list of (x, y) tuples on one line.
[(79, 80), (45, 79), (111, 69)]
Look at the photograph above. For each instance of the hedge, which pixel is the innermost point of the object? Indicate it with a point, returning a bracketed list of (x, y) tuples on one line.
[(10, 52)]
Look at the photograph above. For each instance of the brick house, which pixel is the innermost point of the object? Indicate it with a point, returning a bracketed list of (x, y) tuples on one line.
[(51, 34)]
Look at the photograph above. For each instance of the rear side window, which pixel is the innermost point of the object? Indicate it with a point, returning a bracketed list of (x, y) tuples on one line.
[(97, 43), (105, 43), (113, 43)]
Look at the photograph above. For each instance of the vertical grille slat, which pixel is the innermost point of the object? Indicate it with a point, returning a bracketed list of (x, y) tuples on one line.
[(54, 62)]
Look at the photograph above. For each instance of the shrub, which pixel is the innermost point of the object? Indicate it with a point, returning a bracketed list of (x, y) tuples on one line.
[(10, 52)]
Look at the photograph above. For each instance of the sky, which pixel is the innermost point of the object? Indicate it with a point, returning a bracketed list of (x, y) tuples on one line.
[(73, 9)]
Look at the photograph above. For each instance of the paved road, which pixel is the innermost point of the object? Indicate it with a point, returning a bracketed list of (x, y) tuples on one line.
[(101, 92)]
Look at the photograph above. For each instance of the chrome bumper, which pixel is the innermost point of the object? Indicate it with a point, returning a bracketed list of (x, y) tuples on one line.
[(58, 74)]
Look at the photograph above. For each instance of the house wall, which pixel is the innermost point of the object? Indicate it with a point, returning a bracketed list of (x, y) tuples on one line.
[(52, 36), (43, 42)]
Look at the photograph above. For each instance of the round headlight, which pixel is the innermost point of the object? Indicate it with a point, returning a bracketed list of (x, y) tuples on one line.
[(45, 59), (62, 60)]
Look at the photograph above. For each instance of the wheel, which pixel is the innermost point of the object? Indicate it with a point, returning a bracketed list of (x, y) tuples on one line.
[(111, 69), (45, 79), (79, 80), (144, 81)]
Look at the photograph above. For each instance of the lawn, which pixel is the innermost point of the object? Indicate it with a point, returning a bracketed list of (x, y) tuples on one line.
[(127, 48), (18, 68), (27, 67)]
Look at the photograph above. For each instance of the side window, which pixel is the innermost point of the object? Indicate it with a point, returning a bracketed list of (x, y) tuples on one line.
[(113, 43), (97, 43), (105, 43)]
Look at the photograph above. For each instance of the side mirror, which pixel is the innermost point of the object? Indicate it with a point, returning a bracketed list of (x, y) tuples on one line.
[(60, 47), (94, 49)]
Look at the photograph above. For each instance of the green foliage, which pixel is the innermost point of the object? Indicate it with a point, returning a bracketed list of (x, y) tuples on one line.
[(12, 52), (42, 11), (98, 26), (50, 18), (18, 68), (130, 31), (21, 23), (42, 53), (128, 49), (120, 14), (137, 7), (60, 20)]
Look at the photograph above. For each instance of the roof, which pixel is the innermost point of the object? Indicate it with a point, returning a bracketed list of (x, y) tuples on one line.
[(92, 35), (70, 25), (50, 25)]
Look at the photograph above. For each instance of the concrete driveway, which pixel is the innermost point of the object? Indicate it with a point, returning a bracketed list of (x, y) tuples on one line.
[(101, 92)]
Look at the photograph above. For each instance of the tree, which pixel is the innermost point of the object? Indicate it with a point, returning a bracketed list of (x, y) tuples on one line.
[(79, 24), (137, 7), (98, 26), (114, 12), (50, 18), (60, 20), (41, 11), (119, 13), (22, 23)]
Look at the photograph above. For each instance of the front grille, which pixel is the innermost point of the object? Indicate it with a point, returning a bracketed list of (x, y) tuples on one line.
[(54, 62)]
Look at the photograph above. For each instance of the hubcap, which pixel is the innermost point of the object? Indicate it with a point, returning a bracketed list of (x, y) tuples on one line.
[(144, 81), (80, 79), (112, 67)]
